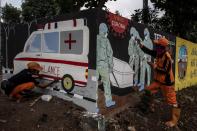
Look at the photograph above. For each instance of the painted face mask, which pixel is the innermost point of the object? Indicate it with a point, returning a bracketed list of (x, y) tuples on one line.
[(160, 50)]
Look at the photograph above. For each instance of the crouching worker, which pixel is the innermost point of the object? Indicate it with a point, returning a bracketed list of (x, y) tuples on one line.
[(163, 79), (23, 81)]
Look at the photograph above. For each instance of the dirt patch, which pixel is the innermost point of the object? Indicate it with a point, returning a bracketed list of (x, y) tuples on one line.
[(54, 115), (132, 119), (63, 116), (122, 102)]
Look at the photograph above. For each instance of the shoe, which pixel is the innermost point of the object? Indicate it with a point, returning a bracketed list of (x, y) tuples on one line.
[(97, 110), (2, 91), (110, 103), (135, 83), (175, 117), (147, 102)]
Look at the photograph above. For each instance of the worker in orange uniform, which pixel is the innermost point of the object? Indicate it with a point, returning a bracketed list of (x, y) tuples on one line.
[(23, 81), (163, 78)]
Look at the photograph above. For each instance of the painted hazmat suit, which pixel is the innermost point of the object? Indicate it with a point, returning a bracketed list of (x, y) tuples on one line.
[(105, 62), (134, 53), (144, 59)]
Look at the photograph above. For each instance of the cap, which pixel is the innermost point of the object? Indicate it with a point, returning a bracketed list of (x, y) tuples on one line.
[(162, 41), (34, 65)]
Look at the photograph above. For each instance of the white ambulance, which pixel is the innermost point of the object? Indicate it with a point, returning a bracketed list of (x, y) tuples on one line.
[(61, 48)]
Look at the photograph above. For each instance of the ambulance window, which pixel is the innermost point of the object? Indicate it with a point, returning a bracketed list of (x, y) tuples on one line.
[(51, 42), (34, 44), (71, 42)]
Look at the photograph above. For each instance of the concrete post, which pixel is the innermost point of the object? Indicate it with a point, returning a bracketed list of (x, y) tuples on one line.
[(0, 45), (93, 122)]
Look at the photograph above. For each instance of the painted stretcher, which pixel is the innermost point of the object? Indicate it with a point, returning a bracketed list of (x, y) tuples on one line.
[(122, 75)]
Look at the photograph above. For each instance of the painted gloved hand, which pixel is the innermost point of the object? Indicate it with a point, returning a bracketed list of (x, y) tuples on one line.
[(139, 43), (148, 59), (110, 69)]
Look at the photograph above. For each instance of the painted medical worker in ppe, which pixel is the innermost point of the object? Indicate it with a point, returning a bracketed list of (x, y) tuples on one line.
[(105, 62), (134, 53), (144, 59)]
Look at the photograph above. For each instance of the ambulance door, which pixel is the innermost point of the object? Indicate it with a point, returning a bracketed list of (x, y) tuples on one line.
[(32, 48), (50, 54)]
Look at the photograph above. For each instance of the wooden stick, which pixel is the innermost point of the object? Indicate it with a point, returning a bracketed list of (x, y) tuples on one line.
[(34, 102)]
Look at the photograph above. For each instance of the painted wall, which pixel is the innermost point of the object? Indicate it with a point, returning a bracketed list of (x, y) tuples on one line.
[(125, 65), (186, 64), (121, 64)]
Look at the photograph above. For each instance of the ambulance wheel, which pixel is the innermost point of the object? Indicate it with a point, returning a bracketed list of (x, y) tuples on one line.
[(68, 83)]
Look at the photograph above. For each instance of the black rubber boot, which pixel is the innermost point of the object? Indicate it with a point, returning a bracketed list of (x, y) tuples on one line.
[(146, 104)]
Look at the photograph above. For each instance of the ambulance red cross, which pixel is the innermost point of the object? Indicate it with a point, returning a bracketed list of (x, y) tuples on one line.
[(61, 48)]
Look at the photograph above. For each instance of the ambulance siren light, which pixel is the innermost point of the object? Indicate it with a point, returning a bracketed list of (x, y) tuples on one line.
[(40, 27), (68, 23)]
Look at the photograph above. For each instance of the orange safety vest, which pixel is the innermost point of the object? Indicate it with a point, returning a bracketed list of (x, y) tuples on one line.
[(163, 72)]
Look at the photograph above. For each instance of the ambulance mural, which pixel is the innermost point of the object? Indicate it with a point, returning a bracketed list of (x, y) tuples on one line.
[(61, 50)]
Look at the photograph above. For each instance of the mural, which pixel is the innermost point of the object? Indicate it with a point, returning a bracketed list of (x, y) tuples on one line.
[(122, 66), (182, 62), (97, 59), (186, 64)]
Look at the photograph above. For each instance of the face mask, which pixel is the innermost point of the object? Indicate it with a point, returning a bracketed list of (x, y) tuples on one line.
[(160, 50), (35, 72)]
